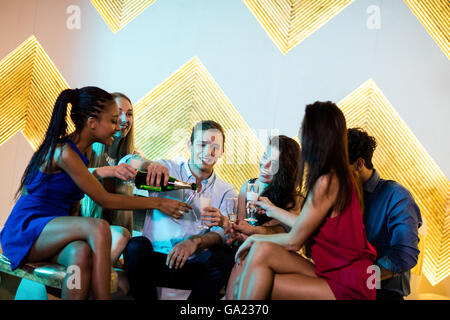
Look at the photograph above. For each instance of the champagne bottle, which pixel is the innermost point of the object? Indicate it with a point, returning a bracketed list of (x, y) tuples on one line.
[(174, 184)]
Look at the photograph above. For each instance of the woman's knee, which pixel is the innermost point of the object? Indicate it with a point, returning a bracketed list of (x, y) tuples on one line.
[(262, 251), (120, 234), (100, 231), (79, 254), (120, 237)]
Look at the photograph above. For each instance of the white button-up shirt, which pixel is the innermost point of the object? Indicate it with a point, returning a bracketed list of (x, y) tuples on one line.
[(163, 230)]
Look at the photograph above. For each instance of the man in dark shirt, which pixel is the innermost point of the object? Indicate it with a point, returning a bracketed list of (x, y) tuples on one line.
[(391, 218)]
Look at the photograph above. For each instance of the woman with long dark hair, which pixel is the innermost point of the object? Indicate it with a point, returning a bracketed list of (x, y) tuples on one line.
[(40, 226), (278, 182), (331, 216)]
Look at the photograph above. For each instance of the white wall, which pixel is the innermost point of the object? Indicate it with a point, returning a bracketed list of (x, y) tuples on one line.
[(401, 57)]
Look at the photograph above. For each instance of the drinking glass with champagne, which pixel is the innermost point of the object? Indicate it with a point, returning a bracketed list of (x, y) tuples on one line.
[(204, 201), (252, 196), (231, 205), (136, 162)]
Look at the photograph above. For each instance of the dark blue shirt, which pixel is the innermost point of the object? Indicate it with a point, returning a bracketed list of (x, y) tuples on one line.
[(392, 219)]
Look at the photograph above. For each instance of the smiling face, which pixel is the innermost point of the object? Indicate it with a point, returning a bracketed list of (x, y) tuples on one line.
[(105, 127), (269, 164), (126, 118), (206, 148)]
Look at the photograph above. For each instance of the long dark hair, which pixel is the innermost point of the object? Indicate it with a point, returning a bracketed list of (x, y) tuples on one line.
[(284, 188), (86, 102), (325, 149)]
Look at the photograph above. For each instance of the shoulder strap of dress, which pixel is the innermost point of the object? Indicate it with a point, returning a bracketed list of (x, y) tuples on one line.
[(75, 148)]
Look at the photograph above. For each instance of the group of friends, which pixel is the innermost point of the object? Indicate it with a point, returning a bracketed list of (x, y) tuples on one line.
[(324, 214)]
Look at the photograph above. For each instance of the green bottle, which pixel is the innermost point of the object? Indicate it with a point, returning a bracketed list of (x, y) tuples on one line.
[(174, 184)]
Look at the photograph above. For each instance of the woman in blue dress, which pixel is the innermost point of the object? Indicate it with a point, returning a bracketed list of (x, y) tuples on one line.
[(43, 225)]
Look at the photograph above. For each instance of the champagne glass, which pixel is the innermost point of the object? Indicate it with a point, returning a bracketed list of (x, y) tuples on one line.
[(204, 201), (231, 205), (136, 162), (189, 198), (252, 195)]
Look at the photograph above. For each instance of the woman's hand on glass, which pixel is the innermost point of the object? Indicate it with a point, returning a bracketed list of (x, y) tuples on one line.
[(122, 171), (265, 206)]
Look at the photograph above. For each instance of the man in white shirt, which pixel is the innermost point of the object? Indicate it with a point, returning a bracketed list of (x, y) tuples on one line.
[(174, 251)]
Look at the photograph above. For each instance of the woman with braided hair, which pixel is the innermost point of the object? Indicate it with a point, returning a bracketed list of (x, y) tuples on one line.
[(41, 226)]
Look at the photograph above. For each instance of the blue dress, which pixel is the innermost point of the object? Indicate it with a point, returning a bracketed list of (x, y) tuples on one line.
[(49, 196)]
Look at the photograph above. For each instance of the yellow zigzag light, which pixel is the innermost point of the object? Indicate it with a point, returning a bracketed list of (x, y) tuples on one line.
[(29, 86), (118, 13), (400, 156), (435, 17), (166, 115), (289, 22)]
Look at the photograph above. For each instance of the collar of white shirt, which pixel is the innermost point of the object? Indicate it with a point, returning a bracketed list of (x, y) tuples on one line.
[(190, 176)]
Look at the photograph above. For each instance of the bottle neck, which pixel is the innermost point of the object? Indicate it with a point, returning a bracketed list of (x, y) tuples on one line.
[(174, 183), (177, 184)]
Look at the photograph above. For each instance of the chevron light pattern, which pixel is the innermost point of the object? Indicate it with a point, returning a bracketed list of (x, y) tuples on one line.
[(29, 86), (118, 13), (166, 115), (402, 158), (434, 16), (289, 22)]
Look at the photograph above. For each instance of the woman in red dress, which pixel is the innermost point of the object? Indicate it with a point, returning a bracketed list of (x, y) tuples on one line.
[(331, 218)]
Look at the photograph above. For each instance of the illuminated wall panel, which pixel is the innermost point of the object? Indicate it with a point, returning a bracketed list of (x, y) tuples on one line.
[(29, 86), (118, 13), (166, 115), (30, 83), (289, 22), (435, 17), (401, 157)]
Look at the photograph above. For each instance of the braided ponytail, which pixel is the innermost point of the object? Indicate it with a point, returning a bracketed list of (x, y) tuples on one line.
[(87, 101), (56, 131)]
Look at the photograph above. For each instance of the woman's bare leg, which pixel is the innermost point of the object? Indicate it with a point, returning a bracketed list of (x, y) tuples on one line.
[(61, 231), (235, 273), (119, 239), (76, 253), (300, 287), (272, 271)]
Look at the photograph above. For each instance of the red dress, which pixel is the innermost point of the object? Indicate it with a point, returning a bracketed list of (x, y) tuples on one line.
[(342, 254)]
